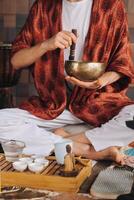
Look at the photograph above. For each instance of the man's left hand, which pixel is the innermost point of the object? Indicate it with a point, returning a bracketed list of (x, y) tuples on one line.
[(106, 79), (89, 85)]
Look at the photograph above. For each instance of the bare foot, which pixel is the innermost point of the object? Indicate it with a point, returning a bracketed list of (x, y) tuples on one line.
[(61, 132), (113, 153)]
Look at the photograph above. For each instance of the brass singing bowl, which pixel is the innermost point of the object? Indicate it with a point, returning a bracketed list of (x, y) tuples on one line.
[(85, 71)]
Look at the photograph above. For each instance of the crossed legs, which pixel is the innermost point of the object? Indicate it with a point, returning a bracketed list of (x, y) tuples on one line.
[(83, 147)]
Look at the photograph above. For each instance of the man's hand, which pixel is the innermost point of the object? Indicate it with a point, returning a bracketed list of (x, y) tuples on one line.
[(27, 56), (106, 79), (61, 40), (90, 85)]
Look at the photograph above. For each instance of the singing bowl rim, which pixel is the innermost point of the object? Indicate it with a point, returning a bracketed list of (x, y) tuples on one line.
[(85, 62)]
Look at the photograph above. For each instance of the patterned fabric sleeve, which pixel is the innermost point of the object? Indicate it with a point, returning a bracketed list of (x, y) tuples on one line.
[(25, 37), (23, 40), (121, 59)]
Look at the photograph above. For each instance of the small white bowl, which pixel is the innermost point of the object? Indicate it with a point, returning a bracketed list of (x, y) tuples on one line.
[(26, 160), (35, 167), (42, 161), (19, 166)]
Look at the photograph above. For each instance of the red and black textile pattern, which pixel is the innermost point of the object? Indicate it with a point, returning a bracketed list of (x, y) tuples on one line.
[(106, 41)]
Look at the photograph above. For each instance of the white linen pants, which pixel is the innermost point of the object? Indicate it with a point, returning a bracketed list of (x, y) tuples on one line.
[(37, 133), (13, 115), (114, 132)]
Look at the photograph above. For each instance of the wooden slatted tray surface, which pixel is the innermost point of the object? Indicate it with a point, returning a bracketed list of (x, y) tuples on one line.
[(49, 178)]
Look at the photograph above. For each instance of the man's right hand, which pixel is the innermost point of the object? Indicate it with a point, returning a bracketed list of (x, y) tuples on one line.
[(61, 40), (27, 56)]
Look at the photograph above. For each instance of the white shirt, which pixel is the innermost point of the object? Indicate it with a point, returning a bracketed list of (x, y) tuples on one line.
[(76, 15)]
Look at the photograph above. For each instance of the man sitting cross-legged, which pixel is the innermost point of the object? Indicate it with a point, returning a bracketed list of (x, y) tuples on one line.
[(104, 142)]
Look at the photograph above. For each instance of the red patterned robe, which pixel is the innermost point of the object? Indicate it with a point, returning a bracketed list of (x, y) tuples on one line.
[(106, 41)]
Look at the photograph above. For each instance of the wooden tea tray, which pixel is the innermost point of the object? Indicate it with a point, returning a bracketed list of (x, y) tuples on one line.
[(48, 179)]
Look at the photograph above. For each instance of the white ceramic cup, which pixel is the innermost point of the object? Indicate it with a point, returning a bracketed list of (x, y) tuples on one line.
[(60, 150)]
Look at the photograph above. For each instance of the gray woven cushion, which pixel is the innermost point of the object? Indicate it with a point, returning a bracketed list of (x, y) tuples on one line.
[(112, 182)]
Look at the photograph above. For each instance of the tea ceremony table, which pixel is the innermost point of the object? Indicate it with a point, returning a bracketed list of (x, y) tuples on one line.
[(83, 194)]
